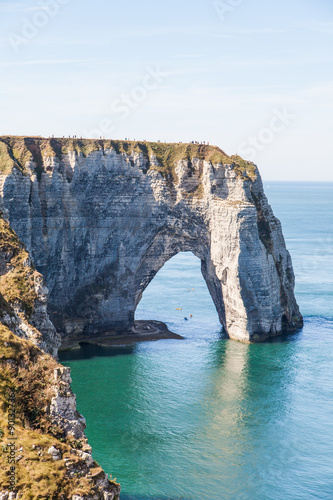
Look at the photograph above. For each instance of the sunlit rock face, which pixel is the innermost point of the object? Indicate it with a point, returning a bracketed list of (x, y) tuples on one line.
[(100, 226)]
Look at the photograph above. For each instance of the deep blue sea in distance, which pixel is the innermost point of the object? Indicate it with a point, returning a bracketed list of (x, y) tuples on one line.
[(208, 418)]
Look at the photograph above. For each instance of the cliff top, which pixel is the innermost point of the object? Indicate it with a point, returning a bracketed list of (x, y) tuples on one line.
[(15, 151)]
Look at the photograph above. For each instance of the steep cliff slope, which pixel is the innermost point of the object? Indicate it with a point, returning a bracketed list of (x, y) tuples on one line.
[(100, 218), (43, 450)]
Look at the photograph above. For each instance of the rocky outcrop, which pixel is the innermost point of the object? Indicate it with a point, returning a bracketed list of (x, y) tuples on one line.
[(50, 457), (64, 415), (63, 405), (23, 297), (100, 219)]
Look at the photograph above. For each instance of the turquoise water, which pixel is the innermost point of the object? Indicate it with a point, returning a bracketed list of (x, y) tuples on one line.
[(209, 418)]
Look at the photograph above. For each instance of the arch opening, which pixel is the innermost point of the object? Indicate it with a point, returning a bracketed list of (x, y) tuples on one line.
[(178, 294)]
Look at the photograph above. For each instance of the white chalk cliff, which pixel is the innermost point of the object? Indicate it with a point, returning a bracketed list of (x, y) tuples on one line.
[(100, 218)]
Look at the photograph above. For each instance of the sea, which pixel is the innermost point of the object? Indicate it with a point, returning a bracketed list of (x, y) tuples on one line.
[(208, 418)]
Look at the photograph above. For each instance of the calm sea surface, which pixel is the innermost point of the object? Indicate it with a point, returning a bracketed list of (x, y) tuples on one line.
[(208, 418)]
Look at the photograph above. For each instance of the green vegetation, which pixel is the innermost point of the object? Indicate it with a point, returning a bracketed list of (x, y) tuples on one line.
[(243, 168), (168, 155), (17, 285), (80, 146), (16, 151), (29, 373), (6, 160)]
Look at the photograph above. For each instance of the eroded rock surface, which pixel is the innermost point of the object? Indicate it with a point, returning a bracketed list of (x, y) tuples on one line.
[(100, 219), (23, 294), (36, 396)]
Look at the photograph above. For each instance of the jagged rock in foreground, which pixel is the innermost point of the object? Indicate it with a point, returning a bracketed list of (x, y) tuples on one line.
[(100, 218), (50, 457)]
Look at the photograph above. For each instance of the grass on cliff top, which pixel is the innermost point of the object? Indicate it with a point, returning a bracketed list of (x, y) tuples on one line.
[(29, 373), (18, 150), (7, 161), (17, 284)]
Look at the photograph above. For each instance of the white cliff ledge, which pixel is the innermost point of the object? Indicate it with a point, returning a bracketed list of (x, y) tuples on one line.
[(100, 218)]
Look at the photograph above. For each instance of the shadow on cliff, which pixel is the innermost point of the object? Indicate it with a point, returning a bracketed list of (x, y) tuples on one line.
[(88, 351)]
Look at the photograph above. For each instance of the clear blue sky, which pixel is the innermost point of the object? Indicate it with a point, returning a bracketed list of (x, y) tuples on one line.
[(254, 77)]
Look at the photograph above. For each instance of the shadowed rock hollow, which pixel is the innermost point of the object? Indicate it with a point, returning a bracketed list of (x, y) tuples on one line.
[(100, 218)]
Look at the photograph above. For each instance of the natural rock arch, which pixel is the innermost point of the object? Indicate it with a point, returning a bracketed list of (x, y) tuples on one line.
[(99, 226), (154, 260)]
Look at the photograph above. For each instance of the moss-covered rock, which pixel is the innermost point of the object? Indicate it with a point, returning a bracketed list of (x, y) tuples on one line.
[(17, 281)]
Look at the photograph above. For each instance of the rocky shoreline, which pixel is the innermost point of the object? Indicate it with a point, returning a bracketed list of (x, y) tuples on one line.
[(141, 331)]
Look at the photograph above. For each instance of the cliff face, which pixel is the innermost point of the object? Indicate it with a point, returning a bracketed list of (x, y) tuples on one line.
[(44, 452), (23, 297), (100, 218)]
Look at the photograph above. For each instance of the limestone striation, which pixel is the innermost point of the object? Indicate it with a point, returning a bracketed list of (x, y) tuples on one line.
[(100, 218)]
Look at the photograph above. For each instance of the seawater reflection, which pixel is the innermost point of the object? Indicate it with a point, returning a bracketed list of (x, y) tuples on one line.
[(172, 419), (248, 396)]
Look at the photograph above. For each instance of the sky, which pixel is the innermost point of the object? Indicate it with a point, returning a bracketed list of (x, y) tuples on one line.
[(254, 77)]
